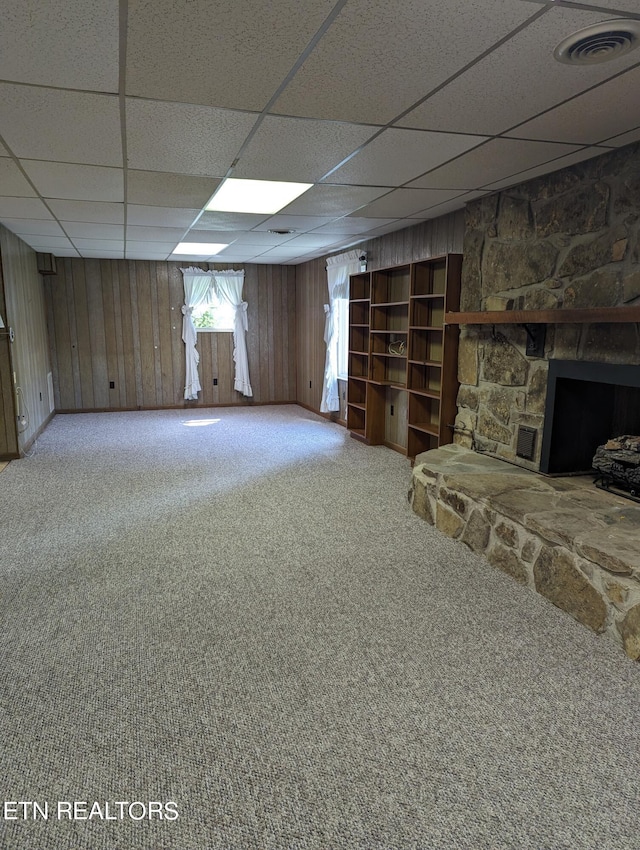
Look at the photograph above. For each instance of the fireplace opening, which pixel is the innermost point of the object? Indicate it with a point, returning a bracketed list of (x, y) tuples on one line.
[(587, 404)]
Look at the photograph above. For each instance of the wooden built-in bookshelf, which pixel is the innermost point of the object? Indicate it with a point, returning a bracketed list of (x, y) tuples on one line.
[(402, 357)]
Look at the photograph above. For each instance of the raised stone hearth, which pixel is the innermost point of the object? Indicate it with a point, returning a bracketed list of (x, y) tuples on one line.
[(562, 537)]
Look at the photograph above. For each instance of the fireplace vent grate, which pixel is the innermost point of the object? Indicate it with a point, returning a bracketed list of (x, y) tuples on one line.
[(526, 445)]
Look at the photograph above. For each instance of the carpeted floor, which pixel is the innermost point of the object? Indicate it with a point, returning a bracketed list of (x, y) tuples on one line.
[(235, 611)]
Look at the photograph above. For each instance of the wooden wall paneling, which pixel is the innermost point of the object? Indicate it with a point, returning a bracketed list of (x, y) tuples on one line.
[(95, 306), (206, 343), (155, 326), (145, 330), (138, 396), (165, 389), (25, 311), (8, 431), (127, 317), (79, 338), (119, 397), (176, 298), (63, 376), (291, 295), (49, 282), (111, 348)]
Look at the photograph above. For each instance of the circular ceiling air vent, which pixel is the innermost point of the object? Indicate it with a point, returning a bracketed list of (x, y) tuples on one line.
[(599, 43), (281, 232)]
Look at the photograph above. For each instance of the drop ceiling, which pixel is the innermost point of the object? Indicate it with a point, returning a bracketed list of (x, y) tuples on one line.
[(119, 120)]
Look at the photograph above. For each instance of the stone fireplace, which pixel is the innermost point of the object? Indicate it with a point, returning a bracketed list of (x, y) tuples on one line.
[(566, 241)]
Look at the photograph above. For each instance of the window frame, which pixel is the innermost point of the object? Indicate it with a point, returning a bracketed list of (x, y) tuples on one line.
[(211, 304)]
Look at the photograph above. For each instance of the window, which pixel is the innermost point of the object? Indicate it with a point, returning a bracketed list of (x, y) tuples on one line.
[(214, 315), (342, 328)]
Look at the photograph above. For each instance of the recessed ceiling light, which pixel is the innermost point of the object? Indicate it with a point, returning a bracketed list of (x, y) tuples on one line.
[(255, 196), (204, 249), (599, 42)]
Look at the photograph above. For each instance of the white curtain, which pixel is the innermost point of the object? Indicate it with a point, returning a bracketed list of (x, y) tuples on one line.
[(197, 284), (338, 270), (228, 287)]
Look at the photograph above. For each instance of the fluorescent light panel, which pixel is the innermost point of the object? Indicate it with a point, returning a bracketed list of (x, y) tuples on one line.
[(255, 196), (206, 249)]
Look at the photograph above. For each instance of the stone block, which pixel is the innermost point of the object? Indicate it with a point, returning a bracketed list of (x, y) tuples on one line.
[(590, 254), (509, 562), (471, 280), (420, 501), (515, 221), (491, 429), (467, 397), (631, 287), (477, 532), (511, 265), (453, 500), (629, 630), (468, 359), (529, 549), (503, 364), (447, 522), (558, 579), (482, 212), (508, 534), (580, 210), (611, 343), (497, 302), (601, 289), (537, 390), (501, 401), (540, 298)]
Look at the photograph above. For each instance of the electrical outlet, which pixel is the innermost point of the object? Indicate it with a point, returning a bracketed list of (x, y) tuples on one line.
[(215, 382), (309, 384), (40, 396), (392, 410), (112, 385)]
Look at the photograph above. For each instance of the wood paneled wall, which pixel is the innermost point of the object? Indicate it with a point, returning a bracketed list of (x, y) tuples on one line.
[(25, 312), (428, 239), (8, 431), (120, 321)]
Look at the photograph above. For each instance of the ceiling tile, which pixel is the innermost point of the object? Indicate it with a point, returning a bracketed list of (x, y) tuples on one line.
[(625, 138), (496, 160), (614, 5), (99, 244), (325, 199), (13, 182), (516, 81), (155, 234), (102, 254), (405, 202), (299, 149), (198, 140), (60, 252), (71, 44), (353, 224), (91, 230), (153, 246), (147, 255), (561, 162), (68, 126), (256, 238), (589, 118), (397, 156), (309, 240), (161, 216), (49, 242), (300, 223), (23, 208), (87, 211), (38, 227), (162, 189), (228, 54), (75, 182), (369, 67), (3, 150), (229, 221)]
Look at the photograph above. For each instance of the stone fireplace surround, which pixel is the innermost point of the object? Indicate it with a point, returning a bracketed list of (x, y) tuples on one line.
[(570, 239)]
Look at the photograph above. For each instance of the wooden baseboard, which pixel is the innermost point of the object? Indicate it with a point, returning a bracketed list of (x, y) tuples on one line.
[(331, 417), (187, 406)]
